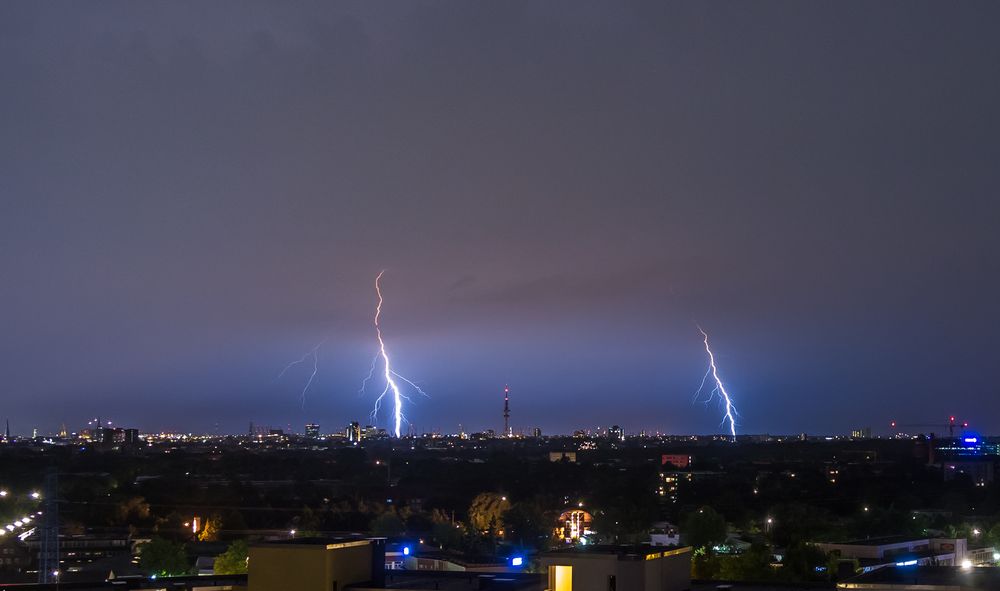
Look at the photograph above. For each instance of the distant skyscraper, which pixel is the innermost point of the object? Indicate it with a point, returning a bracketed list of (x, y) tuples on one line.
[(506, 412), (354, 432), (616, 433), (312, 431), (536, 432)]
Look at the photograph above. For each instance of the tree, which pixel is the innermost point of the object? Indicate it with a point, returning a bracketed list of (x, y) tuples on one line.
[(527, 524), (449, 536), (486, 512), (132, 510), (210, 533), (388, 525), (234, 560), (801, 561), (704, 528), (704, 565), (163, 558), (752, 565)]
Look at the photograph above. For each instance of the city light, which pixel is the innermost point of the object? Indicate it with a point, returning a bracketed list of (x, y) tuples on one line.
[(966, 563), (517, 561), (36, 495), (3, 493), (406, 550)]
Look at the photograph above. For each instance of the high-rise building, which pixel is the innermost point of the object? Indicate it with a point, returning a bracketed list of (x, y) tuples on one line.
[(616, 433), (536, 432), (312, 431), (354, 432), (862, 433)]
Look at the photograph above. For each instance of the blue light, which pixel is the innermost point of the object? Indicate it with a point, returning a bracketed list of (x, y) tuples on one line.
[(517, 561), (907, 563), (406, 550), (971, 440)]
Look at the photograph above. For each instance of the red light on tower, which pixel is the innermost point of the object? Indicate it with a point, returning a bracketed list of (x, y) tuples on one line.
[(952, 419), (893, 424)]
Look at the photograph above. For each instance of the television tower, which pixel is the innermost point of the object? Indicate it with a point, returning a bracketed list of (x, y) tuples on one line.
[(506, 412), (48, 550)]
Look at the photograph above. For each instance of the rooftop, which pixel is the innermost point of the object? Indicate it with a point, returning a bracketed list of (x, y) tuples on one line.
[(623, 552), (930, 577), (314, 541), (460, 581), (883, 541)]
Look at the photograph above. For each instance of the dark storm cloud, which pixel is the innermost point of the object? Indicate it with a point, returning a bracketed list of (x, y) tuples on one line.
[(192, 195)]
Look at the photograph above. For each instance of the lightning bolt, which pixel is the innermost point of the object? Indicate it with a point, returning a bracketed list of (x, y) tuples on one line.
[(391, 386), (314, 354), (720, 389)]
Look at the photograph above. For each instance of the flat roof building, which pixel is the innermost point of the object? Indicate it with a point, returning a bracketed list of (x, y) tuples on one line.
[(316, 564), (876, 553), (618, 568), (925, 578)]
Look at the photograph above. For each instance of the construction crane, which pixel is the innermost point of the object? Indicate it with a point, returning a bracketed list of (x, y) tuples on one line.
[(950, 425)]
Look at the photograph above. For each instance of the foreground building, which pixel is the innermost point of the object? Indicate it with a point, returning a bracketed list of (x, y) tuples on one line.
[(618, 568), (925, 578), (877, 553), (359, 564)]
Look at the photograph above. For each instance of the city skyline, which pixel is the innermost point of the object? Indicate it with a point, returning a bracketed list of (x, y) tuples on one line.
[(559, 195)]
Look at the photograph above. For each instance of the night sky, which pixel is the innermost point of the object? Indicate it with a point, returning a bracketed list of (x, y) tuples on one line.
[(194, 194)]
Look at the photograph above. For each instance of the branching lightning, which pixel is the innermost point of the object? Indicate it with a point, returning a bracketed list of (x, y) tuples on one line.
[(719, 389), (390, 375), (314, 354)]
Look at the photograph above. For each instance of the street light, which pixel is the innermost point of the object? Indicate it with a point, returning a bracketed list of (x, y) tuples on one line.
[(36, 495), (3, 493)]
